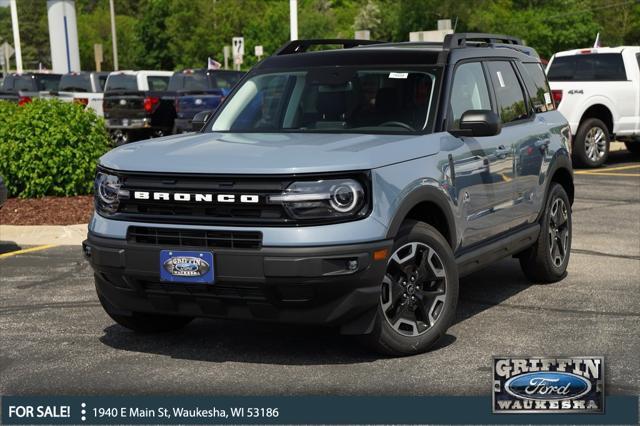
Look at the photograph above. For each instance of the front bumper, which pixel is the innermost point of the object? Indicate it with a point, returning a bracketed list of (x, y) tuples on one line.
[(311, 285)]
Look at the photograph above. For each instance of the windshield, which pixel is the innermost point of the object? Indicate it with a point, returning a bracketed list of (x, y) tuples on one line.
[(335, 99)]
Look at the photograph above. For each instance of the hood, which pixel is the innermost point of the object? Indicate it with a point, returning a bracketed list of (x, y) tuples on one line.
[(268, 153)]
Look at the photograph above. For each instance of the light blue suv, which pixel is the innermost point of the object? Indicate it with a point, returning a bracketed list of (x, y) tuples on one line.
[(349, 187)]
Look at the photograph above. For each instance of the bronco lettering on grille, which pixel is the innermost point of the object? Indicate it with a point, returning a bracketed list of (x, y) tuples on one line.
[(196, 197)]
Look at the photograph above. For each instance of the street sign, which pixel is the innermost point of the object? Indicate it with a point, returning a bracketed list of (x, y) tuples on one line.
[(238, 46), (259, 51), (7, 49)]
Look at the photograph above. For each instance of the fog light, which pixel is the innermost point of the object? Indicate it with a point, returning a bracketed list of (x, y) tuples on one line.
[(352, 265)]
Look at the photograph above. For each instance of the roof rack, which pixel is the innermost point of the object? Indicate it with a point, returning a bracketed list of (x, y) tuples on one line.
[(452, 41), (300, 46)]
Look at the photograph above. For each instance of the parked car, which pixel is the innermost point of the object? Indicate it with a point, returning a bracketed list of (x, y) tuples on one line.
[(598, 90), (132, 107), (85, 88), (22, 88), (350, 188), (3, 192), (199, 90)]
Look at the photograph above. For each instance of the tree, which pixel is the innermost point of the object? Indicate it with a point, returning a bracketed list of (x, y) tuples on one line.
[(153, 37)]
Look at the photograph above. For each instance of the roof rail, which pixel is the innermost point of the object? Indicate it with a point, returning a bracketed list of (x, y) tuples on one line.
[(300, 46), (452, 41)]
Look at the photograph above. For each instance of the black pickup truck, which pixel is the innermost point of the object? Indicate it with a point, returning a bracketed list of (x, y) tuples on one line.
[(22, 88), (133, 105), (199, 90)]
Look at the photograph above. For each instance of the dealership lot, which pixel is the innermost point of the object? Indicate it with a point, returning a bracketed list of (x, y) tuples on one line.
[(56, 339)]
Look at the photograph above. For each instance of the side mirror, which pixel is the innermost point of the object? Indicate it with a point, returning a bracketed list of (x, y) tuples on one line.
[(199, 120), (479, 122)]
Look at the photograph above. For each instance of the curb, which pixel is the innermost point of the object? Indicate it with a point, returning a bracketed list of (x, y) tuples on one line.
[(44, 234)]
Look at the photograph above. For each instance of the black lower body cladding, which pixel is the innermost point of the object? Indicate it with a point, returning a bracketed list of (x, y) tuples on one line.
[(311, 285)]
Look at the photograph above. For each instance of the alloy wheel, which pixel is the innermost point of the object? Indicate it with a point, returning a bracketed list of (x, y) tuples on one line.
[(595, 144), (558, 232), (413, 289)]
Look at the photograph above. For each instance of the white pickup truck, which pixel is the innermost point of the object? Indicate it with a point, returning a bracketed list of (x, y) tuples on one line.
[(85, 88), (598, 91)]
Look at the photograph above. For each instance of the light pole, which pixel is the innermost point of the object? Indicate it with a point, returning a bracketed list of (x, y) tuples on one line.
[(16, 35), (293, 18), (114, 40)]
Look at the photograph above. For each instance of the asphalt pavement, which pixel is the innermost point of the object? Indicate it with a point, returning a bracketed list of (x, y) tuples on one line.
[(56, 339)]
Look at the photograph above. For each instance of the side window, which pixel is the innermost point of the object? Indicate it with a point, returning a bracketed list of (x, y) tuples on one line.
[(509, 97), (469, 91), (537, 87)]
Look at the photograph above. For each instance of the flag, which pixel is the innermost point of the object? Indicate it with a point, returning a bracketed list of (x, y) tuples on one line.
[(597, 42), (212, 64)]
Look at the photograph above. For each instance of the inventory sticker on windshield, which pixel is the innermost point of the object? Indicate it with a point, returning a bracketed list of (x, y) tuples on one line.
[(543, 385), (398, 74)]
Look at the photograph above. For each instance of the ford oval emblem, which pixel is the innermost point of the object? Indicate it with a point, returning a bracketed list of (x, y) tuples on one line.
[(186, 266), (548, 385), (123, 101)]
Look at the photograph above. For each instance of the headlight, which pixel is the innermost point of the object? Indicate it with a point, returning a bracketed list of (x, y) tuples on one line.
[(333, 198), (107, 189)]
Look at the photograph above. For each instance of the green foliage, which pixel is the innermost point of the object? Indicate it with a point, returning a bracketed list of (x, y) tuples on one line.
[(50, 147)]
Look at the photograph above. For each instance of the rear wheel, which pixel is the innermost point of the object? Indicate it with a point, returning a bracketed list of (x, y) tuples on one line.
[(546, 261), (147, 323), (419, 292), (119, 137), (591, 146)]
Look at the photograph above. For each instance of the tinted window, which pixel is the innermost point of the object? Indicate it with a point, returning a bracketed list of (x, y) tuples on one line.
[(588, 67), (189, 81), (47, 82), (7, 83), (121, 82), (158, 83), (102, 81), (469, 91), (537, 87), (225, 80), (509, 96), (24, 83), (75, 83), (340, 99)]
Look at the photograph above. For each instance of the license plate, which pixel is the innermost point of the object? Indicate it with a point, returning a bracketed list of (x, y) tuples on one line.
[(186, 266)]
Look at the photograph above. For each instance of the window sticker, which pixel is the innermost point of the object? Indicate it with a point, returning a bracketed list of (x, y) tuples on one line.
[(501, 79), (398, 74), (547, 98)]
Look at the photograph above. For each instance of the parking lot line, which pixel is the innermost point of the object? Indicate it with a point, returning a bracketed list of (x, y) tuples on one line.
[(606, 171), (608, 174), (27, 250)]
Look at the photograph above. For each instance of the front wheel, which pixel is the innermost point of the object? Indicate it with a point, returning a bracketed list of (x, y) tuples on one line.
[(419, 292), (546, 261)]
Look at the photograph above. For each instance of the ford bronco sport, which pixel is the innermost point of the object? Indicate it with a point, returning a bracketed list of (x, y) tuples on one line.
[(349, 187)]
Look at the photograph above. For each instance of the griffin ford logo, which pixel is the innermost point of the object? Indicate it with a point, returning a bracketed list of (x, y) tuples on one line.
[(539, 384), (548, 385), (186, 266)]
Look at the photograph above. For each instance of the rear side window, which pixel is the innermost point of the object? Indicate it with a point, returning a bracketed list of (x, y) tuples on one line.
[(121, 82), (469, 91), (75, 83), (509, 95), (158, 83), (537, 87), (588, 67)]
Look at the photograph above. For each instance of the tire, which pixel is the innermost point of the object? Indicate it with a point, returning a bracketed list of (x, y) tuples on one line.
[(120, 137), (633, 147), (591, 146), (412, 336), (148, 323), (544, 262)]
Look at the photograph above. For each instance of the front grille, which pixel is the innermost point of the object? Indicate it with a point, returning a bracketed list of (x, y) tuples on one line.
[(194, 238), (235, 292)]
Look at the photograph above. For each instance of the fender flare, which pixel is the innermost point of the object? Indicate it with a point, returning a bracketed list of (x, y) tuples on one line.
[(560, 161), (420, 195)]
